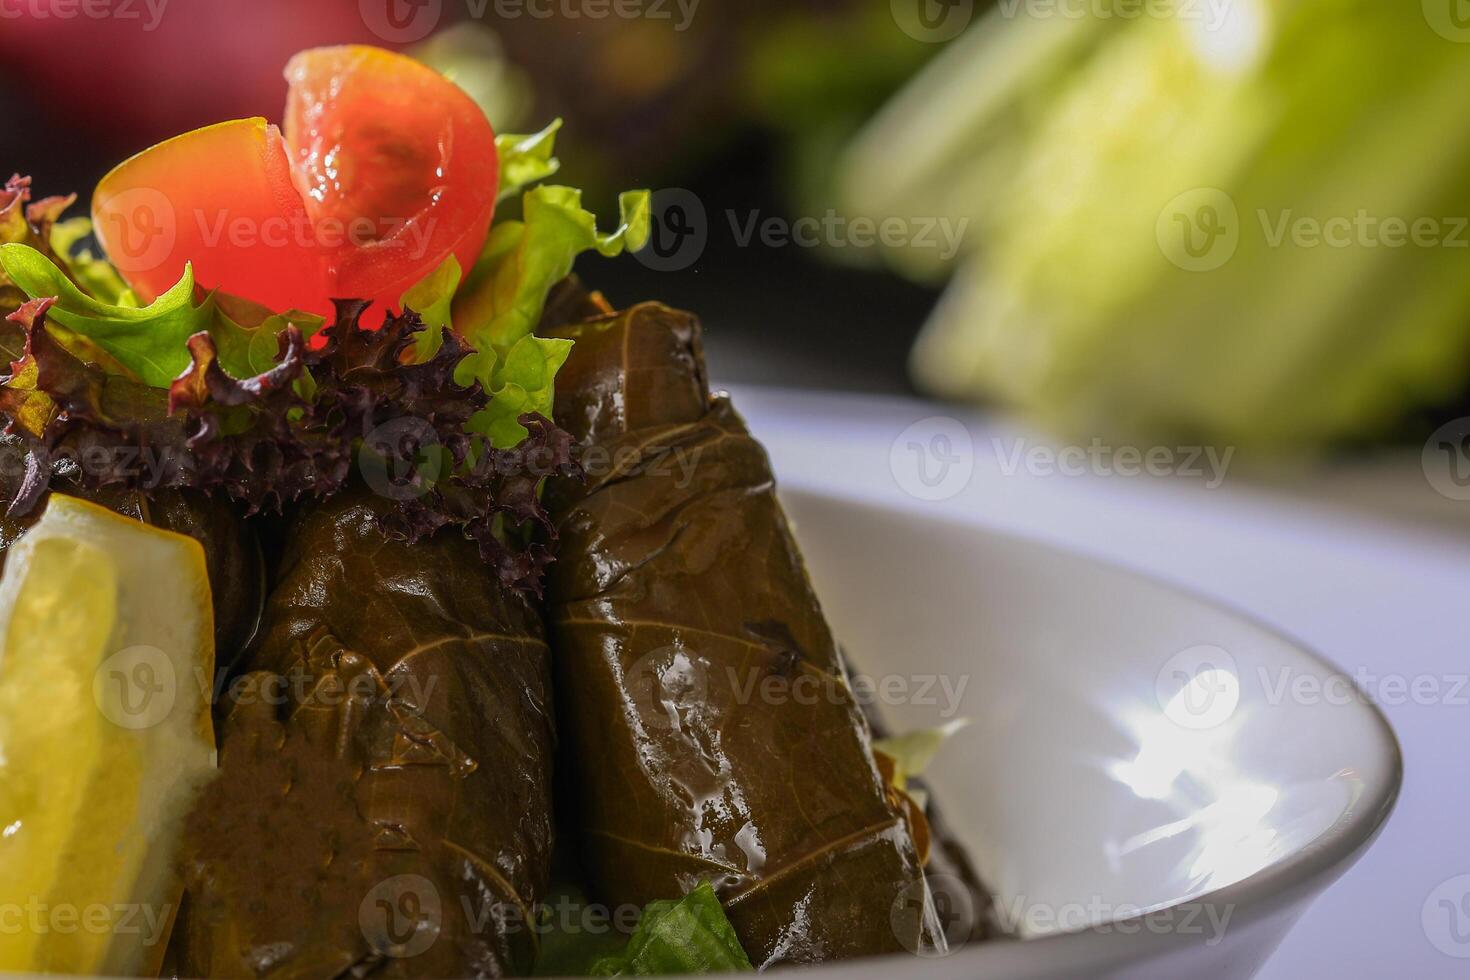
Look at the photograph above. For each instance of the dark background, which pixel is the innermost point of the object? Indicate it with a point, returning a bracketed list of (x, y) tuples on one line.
[(80, 96)]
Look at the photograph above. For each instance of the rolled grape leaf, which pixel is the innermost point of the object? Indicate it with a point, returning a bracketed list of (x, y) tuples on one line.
[(387, 809), (708, 724)]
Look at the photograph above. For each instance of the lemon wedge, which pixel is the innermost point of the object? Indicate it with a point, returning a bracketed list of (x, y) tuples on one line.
[(106, 659)]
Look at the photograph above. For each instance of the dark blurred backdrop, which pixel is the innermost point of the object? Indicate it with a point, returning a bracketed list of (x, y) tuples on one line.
[(711, 105)]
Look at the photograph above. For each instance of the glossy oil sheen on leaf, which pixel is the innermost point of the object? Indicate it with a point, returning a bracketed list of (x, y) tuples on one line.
[(412, 762), (685, 631)]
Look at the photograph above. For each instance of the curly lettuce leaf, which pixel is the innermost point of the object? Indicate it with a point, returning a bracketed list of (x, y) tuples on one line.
[(526, 159), (151, 342), (524, 381), (503, 296), (25, 223), (95, 274), (502, 299), (432, 298), (247, 334), (148, 341), (688, 936)]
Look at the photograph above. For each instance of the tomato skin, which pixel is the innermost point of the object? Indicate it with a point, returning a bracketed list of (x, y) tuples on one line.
[(386, 168), (365, 107), (220, 197)]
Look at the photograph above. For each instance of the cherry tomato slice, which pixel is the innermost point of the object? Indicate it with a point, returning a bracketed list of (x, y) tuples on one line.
[(386, 169)]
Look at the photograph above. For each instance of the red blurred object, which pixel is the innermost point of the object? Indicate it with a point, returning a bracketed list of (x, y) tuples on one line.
[(153, 68), (386, 168)]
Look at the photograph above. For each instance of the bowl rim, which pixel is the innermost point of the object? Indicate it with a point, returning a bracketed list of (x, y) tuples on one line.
[(1298, 876)]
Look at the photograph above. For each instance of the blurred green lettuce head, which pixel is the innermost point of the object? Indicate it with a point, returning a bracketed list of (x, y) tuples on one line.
[(1240, 221)]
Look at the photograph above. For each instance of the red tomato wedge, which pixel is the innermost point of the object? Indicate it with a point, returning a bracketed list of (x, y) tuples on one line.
[(386, 168)]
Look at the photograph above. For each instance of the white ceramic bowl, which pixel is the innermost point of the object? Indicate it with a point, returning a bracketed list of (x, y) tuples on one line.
[(1152, 785)]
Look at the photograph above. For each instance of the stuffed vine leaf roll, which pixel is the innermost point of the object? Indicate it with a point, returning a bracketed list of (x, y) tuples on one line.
[(393, 815), (709, 727)]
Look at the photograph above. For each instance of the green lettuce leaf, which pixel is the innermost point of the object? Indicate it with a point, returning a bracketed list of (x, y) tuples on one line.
[(526, 160), (26, 223), (150, 342), (502, 299), (432, 298), (95, 274), (688, 936)]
